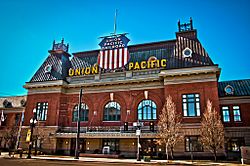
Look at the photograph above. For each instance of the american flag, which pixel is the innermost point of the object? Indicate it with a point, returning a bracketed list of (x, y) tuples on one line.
[(114, 52), (114, 58)]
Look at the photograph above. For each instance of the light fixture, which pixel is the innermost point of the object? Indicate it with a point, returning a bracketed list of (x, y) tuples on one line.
[(33, 121), (95, 113), (146, 94), (111, 96), (88, 143), (128, 112)]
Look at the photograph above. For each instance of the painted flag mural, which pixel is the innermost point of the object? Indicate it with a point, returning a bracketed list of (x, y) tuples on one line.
[(114, 52)]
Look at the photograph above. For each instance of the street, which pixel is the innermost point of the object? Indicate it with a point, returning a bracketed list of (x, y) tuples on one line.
[(35, 162)]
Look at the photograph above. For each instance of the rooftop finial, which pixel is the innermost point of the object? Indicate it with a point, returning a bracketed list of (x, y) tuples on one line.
[(185, 26), (60, 46)]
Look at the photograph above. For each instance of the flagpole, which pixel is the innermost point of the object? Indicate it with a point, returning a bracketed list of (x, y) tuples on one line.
[(115, 22)]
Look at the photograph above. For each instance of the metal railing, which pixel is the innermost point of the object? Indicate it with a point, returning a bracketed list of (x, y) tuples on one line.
[(106, 129)]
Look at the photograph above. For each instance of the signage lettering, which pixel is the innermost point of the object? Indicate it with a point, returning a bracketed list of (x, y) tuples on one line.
[(131, 66), (147, 64), (84, 71)]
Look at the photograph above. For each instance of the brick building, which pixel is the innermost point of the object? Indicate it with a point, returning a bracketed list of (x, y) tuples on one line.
[(11, 115), (118, 91)]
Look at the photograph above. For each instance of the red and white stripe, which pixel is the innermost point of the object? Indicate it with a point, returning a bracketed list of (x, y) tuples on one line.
[(113, 59)]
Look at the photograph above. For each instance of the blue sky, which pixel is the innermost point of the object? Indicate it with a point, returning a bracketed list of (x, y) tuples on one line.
[(28, 28)]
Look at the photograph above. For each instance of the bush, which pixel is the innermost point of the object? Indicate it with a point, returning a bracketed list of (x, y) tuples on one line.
[(146, 158)]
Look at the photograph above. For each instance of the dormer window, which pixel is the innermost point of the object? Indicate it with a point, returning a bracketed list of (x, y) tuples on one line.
[(152, 58), (48, 69), (229, 90), (187, 53)]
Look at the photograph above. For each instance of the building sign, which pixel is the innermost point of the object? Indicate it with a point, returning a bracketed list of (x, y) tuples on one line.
[(28, 135), (156, 63), (84, 71), (114, 52)]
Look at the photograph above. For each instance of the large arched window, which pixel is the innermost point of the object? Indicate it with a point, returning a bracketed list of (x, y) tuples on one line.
[(112, 111), (146, 110), (84, 113)]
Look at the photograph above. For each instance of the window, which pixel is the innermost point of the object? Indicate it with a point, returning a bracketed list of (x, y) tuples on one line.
[(234, 144), (192, 143), (112, 143), (225, 114), (84, 113), (229, 90), (112, 112), (17, 117), (191, 104), (236, 113), (146, 110), (41, 111), (3, 119)]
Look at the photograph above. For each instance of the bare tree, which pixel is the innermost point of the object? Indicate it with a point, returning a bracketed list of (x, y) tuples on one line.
[(10, 136), (39, 136), (212, 130), (169, 126)]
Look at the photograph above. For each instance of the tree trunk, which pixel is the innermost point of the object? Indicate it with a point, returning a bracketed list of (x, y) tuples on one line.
[(172, 153), (215, 155), (167, 151)]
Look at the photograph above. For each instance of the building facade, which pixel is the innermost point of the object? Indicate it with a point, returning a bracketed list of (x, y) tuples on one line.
[(126, 84), (11, 117)]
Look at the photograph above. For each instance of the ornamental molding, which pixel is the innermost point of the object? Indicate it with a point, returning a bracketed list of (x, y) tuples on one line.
[(190, 79), (190, 71), (105, 135), (234, 99)]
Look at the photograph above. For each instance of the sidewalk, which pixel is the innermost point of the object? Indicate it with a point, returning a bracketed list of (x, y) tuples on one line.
[(134, 161)]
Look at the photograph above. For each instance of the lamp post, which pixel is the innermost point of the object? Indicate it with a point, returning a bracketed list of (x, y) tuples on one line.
[(32, 125), (78, 126), (138, 125)]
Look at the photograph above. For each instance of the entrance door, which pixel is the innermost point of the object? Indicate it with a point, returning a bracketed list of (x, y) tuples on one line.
[(148, 147), (82, 146)]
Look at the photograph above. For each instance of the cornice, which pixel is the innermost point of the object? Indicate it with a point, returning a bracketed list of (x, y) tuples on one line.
[(190, 71), (234, 99)]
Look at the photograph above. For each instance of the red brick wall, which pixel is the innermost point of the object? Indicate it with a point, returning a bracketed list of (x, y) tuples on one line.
[(60, 107), (207, 90), (128, 100), (245, 116), (53, 108)]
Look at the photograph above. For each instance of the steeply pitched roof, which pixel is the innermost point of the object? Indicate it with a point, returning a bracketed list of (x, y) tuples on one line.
[(169, 49), (56, 73), (172, 50), (240, 87)]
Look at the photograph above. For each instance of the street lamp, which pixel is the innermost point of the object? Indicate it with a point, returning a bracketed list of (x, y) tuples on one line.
[(78, 126), (32, 125), (139, 124), (138, 134)]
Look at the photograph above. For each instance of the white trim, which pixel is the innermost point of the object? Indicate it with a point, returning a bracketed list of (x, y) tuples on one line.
[(101, 59), (189, 71), (115, 58)]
